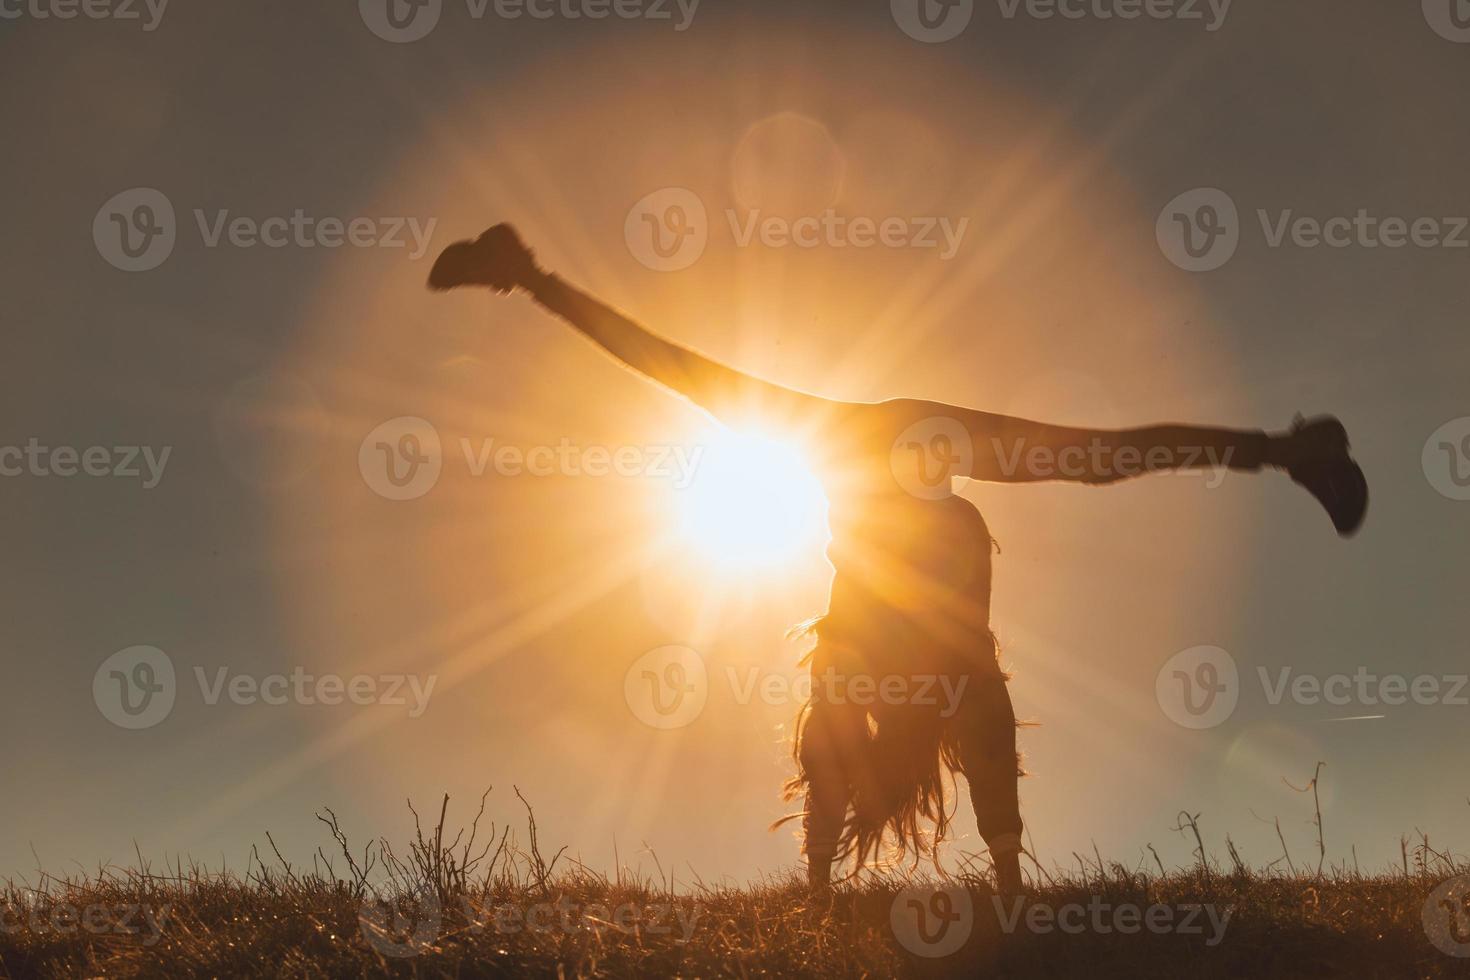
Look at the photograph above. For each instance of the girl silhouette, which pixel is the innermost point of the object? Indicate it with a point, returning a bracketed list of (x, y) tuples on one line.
[(907, 687)]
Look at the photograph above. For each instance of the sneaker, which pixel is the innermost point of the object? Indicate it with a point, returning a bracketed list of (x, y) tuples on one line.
[(498, 259), (1314, 453)]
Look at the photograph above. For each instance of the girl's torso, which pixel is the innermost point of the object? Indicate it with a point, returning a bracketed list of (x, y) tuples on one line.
[(909, 572)]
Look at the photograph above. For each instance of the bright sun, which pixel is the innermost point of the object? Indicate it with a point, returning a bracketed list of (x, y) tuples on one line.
[(753, 500)]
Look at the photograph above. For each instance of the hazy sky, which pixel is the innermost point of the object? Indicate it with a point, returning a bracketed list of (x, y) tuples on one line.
[(1049, 147)]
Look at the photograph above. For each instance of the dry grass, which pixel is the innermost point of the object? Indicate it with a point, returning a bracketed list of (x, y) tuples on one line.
[(470, 898)]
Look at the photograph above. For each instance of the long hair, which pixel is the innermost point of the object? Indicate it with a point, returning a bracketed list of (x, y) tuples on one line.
[(900, 767)]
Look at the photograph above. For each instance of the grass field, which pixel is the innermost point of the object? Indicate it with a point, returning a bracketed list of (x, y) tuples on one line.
[(488, 902)]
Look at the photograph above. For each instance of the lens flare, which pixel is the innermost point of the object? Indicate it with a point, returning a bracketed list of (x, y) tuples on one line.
[(753, 501)]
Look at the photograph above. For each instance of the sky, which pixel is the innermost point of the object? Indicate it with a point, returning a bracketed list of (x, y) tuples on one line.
[(218, 223)]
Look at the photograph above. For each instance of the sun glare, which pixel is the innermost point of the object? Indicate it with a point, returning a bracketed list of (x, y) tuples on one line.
[(753, 501)]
